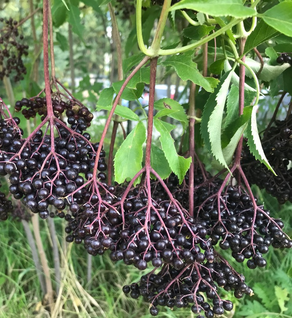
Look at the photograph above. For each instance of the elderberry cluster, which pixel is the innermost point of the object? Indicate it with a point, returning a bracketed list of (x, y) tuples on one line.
[(143, 231), (6, 206), (11, 50), (277, 142), (51, 166), (195, 286), (284, 58), (77, 114)]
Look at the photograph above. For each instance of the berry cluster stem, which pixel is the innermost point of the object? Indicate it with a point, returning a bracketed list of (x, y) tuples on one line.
[(46, 9), (153, 67), (192, 147), (107, 124)]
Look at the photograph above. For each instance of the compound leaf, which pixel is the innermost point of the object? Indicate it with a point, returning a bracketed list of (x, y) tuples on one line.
[(187, 70)]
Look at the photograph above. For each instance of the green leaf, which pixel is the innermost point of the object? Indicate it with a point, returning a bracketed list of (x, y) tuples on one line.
[(197, 32), (233, 127), (232, 104), (179, 165), (62, 40), (106, 97), (132, 61), (287, 75), (122, 111), (279, 17), (170, 104), (59, 13), (233, 133), (142, 76), (251, 309), (260, 34), (217, 67), (254, 141), (234, 8), (229, 150), (282, 297), (187, 70), (135, 87), (95, 4), (269, 72), (215, 122), (75, 21), (265, 294), (159, 162), (128, 159), (283, 47), (272, 54), (207, 111)]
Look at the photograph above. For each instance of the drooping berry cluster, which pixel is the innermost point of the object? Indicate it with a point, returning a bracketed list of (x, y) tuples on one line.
[(77, 114), (284, 58), (158, 231), (277, 142), (11, 50), (51, 166), (194, 286)]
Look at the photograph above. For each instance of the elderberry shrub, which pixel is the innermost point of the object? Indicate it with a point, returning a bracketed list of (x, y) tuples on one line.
[(11, 50), (76, 112), (277, 142)]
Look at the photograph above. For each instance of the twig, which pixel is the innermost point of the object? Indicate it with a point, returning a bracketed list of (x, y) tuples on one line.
[(276, 111)]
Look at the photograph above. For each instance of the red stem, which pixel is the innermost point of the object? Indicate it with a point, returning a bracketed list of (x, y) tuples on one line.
[(136, 69), (153, 67), (192, 148), (111, 150), (50, 111)]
